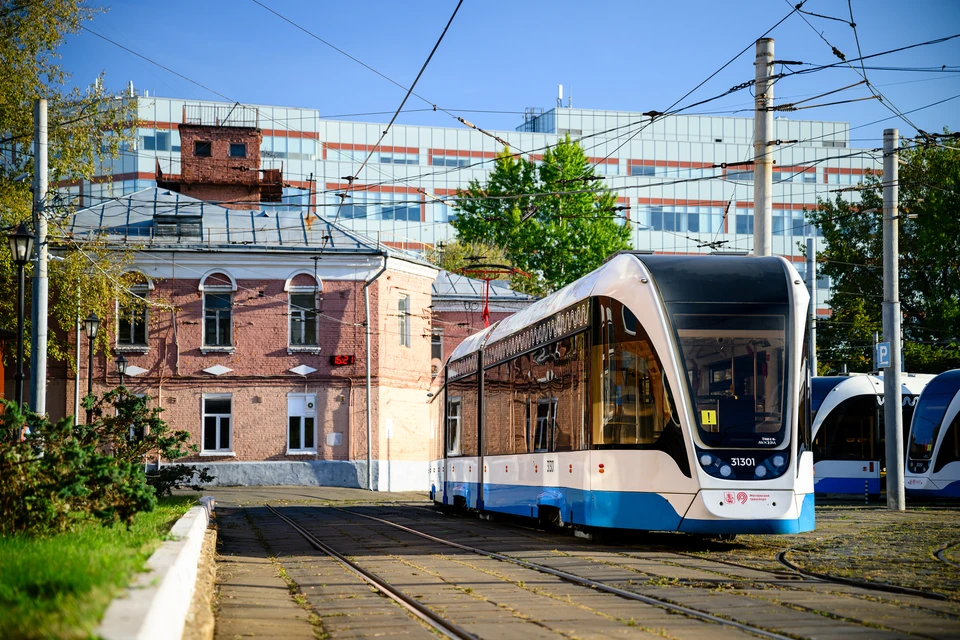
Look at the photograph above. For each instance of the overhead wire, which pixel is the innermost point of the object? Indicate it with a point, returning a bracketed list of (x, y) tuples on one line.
[(399, 109)]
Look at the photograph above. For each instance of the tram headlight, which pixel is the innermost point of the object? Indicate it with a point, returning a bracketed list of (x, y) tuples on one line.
[(706, 460), (778, 461), (725, 471), (761, 471)]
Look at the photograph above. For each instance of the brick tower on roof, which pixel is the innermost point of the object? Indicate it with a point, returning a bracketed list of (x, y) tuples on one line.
[(220, 159)]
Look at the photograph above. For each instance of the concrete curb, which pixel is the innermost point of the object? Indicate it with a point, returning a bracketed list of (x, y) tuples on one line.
[(155, 605)]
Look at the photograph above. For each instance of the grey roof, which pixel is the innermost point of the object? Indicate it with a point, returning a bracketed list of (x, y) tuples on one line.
[(453, 286), (191, 223)]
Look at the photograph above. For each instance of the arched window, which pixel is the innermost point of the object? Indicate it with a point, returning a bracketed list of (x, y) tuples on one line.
[(218, 288), (303, 290)]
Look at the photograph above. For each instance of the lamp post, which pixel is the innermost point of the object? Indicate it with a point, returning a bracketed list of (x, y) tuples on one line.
[(90, 326), (121, 367), (21, 246)]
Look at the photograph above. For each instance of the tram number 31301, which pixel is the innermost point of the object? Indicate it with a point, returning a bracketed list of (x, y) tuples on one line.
[(743, 462)]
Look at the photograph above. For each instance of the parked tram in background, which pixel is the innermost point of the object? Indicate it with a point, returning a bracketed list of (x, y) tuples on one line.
[(933, 449), (658, 393), (848, 430)]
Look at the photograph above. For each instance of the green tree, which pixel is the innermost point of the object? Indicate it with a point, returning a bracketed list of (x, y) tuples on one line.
[(929, 184), (85, 127), (553, 220)]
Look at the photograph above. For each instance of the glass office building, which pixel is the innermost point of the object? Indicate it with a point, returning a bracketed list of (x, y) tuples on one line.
[(685, 178)]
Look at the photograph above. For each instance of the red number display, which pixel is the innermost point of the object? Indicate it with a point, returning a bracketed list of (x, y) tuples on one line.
[(340, 360)]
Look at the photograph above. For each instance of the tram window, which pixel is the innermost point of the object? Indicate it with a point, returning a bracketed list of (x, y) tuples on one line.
[(849, 431), (454, 417), (736, 371), (632, 400), (546, 425), (461, 423), (950, 447)]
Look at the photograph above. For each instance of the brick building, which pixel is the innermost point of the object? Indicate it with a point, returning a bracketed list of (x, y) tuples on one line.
[(254, 340)]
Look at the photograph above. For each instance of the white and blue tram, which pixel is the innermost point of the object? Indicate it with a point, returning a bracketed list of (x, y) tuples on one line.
[(659, 393), (848, 430), (933, 450)]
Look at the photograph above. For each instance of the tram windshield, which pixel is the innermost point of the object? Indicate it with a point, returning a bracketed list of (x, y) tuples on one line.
[(929, 414), (736, 370)]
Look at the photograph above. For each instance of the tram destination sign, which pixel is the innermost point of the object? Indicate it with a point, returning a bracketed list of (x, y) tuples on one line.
[(560, 325)]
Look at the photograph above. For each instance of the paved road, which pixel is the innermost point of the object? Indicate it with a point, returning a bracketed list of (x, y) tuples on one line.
[(273, 584)]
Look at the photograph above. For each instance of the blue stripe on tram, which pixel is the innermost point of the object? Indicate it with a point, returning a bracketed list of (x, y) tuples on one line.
[(616, 509)]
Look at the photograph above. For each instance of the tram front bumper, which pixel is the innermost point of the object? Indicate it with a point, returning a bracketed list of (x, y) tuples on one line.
[(726, 511)]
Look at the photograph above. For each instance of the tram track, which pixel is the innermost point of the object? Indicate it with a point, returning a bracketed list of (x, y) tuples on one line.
[(941, 554), (781, 579), (595, 586), (796, 572), (441, 625), (600, 586)]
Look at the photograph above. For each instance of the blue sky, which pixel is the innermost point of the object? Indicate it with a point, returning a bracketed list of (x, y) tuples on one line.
[(504, 56)]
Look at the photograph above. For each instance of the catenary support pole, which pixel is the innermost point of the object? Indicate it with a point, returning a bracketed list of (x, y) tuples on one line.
[(366, 323), (762, 159), (38, 328), (812, 286), (892, 400)]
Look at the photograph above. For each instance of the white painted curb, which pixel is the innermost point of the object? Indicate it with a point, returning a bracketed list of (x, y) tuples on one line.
[(155, 605)]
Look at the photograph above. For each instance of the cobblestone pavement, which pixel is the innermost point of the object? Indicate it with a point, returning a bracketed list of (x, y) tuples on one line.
[(272, 584)]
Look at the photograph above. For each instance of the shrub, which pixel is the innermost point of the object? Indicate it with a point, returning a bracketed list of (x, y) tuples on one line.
[(61, 472)]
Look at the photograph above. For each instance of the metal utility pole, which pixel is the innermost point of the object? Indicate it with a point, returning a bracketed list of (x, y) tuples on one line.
[(812, 286), (892, 401), (38, 329), (762, 161)]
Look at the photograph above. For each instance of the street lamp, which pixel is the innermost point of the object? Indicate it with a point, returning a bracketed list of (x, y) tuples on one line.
[(121, 367), (21, 246), (90, 326)]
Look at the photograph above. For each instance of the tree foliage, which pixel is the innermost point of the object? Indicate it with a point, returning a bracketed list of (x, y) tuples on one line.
[(929, 182), (85, 127), (59, 473), (553, 220)]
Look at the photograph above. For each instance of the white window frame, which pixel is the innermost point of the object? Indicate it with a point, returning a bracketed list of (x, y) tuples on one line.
[(454, 448), (220, 450), (143, 291), (216, 288), (293, 314), (404, 310), (309, 411)]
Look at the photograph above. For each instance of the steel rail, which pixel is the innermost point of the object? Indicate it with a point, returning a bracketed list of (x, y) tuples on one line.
[(586, 582), (796, 574), (940, 554), (434, 620), (874, 586)]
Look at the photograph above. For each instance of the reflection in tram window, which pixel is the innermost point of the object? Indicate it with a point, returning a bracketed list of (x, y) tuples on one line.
[(453, 426), (537, 401), (546, 425), (634, 407), (461, 423), (735, 367)]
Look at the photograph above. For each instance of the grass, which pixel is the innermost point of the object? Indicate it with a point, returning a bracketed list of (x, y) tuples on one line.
[(59, 586)]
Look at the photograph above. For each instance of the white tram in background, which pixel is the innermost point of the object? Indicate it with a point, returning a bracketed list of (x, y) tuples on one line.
[(933, 449), (849, 448), (658, 393)]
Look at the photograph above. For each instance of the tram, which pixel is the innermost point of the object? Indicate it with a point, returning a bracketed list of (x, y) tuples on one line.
[(933, 449), (848, 430), (657, 393)]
